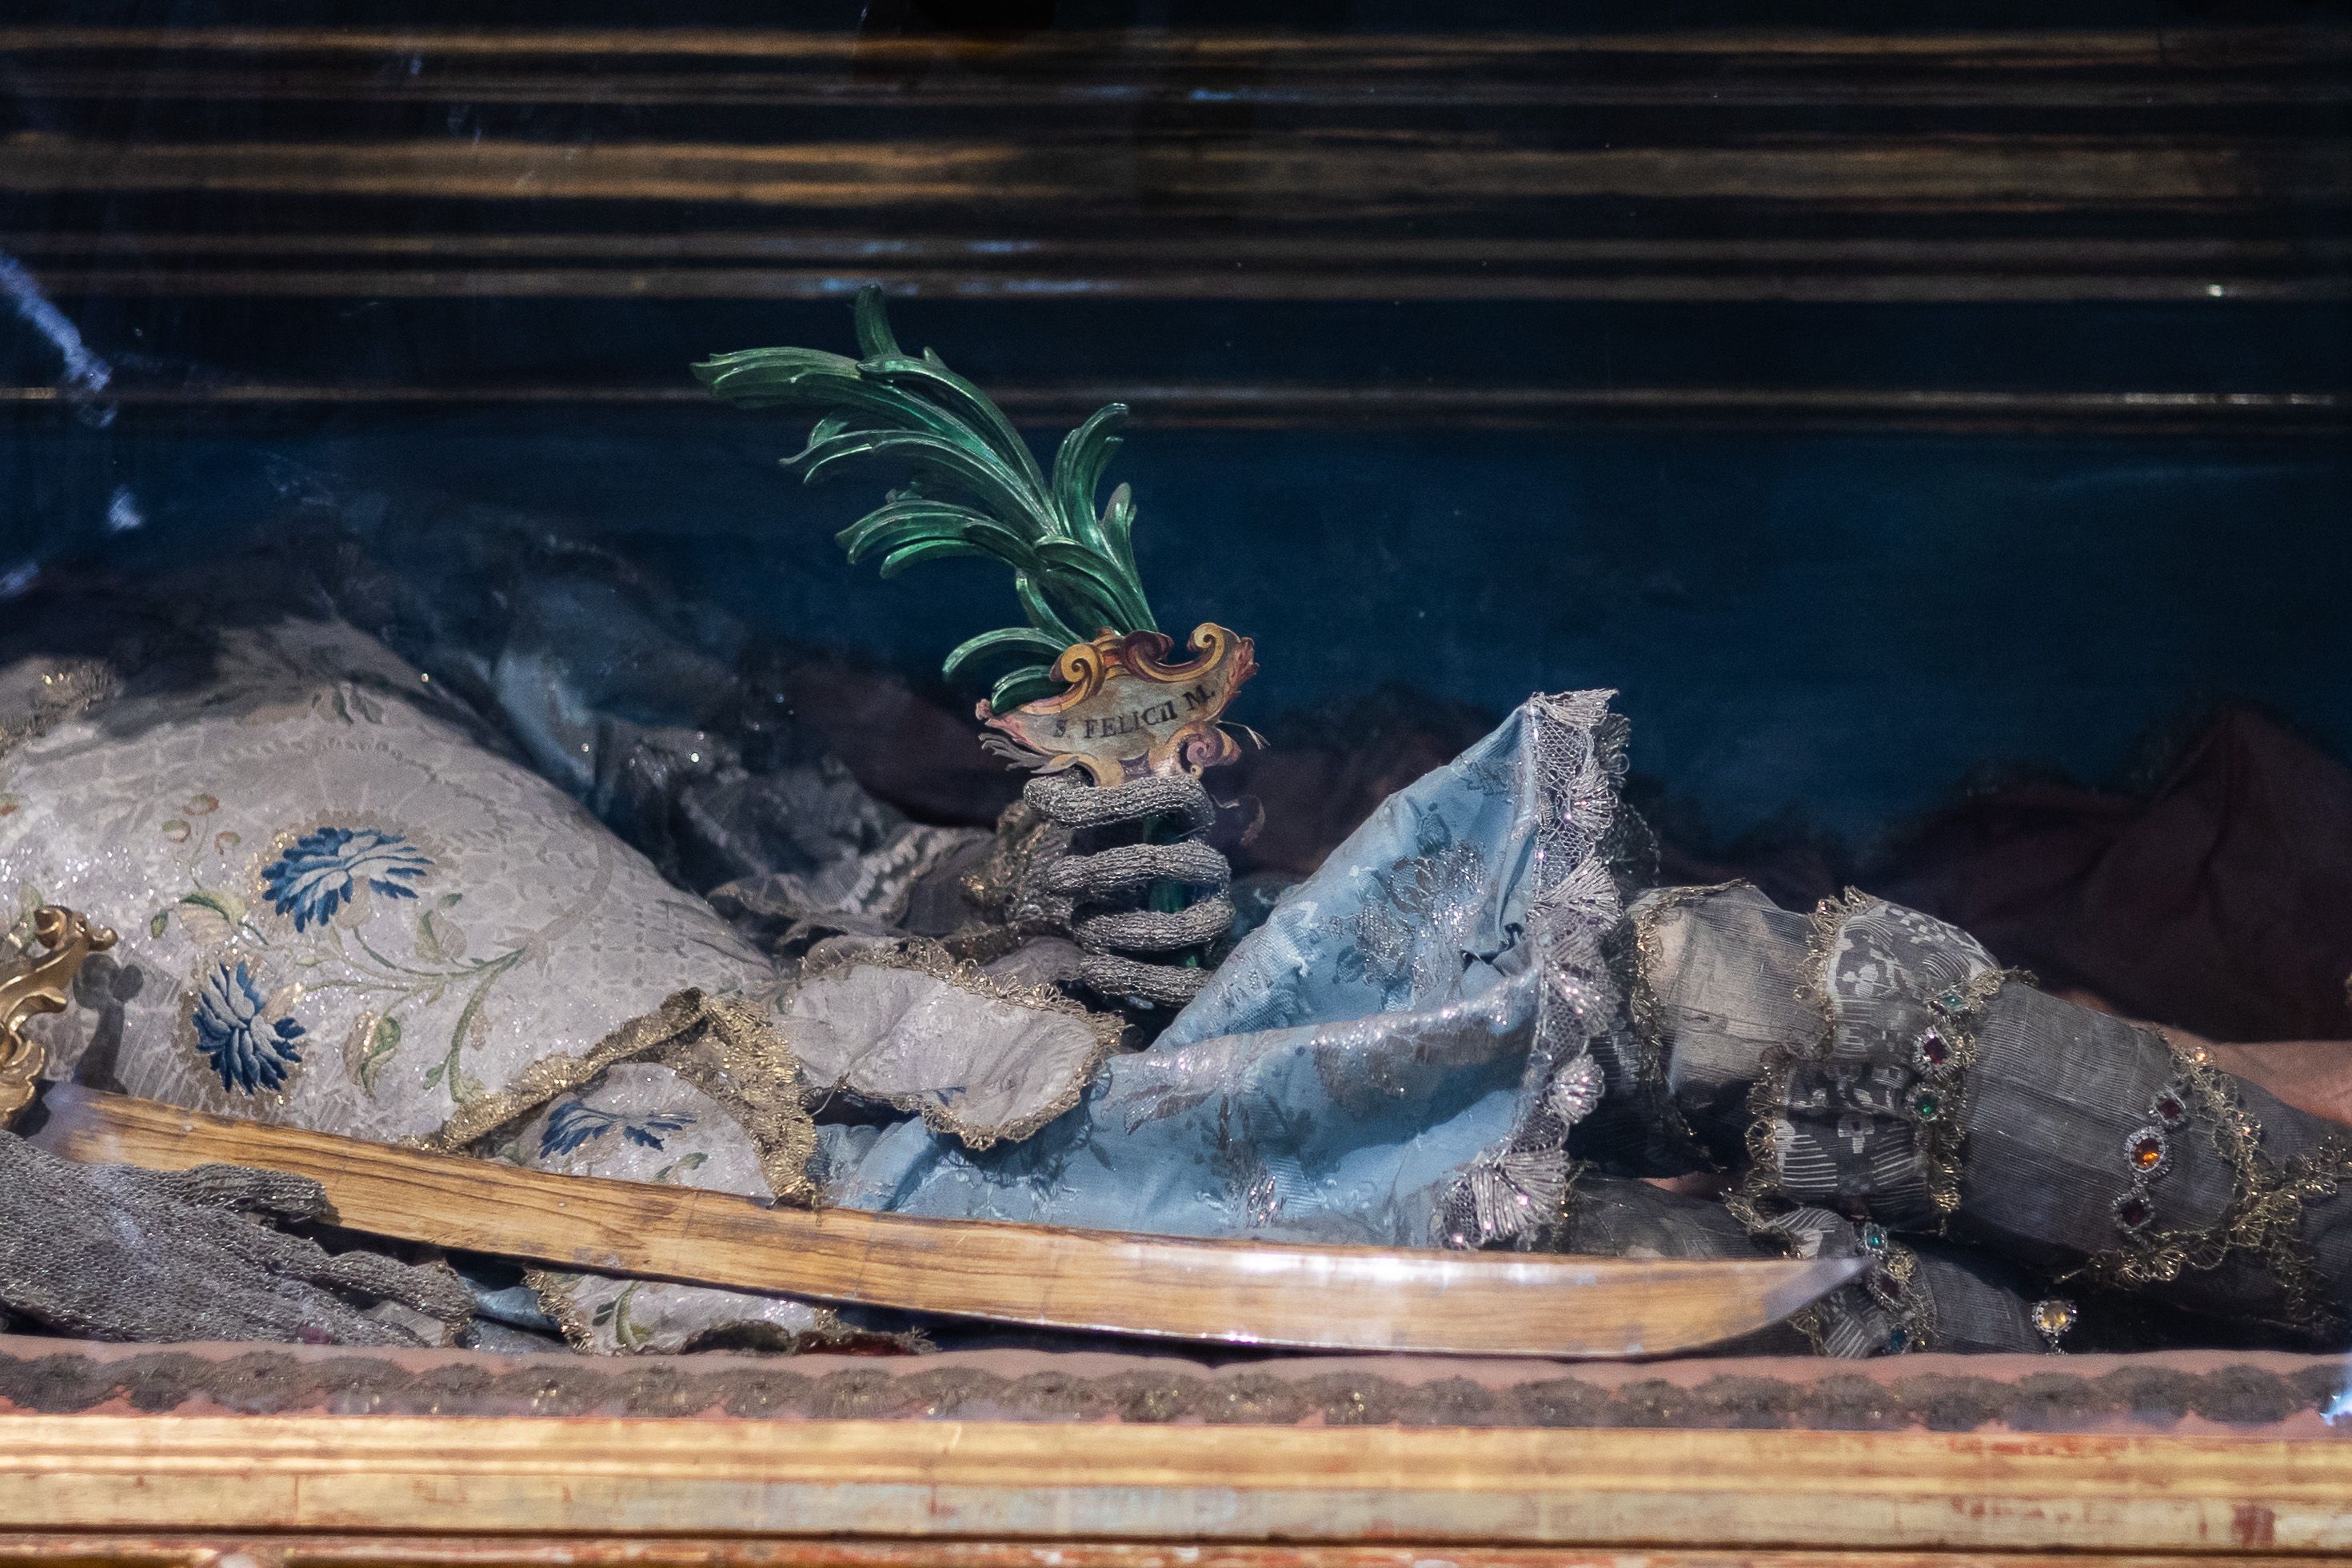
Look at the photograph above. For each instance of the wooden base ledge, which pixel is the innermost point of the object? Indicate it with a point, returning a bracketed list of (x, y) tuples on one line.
[(1006, 1481), (212, 1549), (217, 1551)]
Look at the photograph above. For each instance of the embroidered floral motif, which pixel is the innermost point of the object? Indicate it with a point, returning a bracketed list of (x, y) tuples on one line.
[(247, 1047), (575, 1122), (324, 870), (1409, 940)]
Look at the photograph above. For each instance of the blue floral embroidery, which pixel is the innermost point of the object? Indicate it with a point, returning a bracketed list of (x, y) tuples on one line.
[(250, 1054), (322, 870), (575, 1122)]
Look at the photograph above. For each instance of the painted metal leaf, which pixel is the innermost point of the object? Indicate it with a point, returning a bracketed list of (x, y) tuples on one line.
[(1009, 639), (975, 488), (1022, 685)]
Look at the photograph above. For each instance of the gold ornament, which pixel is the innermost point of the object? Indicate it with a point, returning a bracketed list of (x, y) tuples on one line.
[(42, 987)]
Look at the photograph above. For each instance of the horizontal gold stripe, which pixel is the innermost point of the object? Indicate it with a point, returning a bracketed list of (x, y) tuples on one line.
[(1319, 253), (565, 1548), (1645, 1488), (1116, 94), (1216, 405), (1365, 174), (778, 283), (2173, 49)]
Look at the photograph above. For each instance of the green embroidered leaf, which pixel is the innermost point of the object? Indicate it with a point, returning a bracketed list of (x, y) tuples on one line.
[(383, 1042), (156, 925), (210, 918), (439, 939), (627, 1333), (976, 488), (669, 1173)]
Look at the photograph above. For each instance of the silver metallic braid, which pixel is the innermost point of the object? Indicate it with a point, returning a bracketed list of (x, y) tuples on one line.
[(1100, 890), (113, 1252)]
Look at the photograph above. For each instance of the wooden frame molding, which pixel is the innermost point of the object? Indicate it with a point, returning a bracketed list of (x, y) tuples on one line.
[(1005, 1481), (572, 1551), (1200, 405), (1774, 164)]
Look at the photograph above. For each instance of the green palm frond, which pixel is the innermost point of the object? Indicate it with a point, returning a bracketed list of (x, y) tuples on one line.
[(974, 489)]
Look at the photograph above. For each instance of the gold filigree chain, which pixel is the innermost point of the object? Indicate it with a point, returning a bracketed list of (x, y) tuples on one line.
[(2265, 1213)]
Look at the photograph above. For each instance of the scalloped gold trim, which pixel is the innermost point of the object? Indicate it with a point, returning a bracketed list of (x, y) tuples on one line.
[(927, 958), (760, 1082), (549, 1076), (756, 1079)]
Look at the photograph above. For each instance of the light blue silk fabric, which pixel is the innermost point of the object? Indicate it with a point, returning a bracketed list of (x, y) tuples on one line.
[(1351, 1057)]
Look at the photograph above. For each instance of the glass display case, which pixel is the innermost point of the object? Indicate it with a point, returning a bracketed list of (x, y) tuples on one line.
[(1068, 783)]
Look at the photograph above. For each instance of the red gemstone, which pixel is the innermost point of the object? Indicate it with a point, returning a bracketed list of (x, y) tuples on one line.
[(2133, 1212), (2169, 1108), (1934, 1049)]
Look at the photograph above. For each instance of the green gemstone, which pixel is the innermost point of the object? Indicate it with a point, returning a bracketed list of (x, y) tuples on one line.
[(1928, 1106)]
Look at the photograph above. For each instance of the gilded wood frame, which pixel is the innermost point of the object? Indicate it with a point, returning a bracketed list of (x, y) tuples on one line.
[(136, 1483)]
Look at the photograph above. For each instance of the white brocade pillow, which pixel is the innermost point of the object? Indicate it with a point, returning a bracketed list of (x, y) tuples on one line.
[(337, 910), (641, 1121)]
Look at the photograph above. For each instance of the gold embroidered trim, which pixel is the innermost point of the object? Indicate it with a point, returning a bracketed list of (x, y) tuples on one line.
[(1648, 1068), (1808, 1323), (1961, 1010), (756, 1078), (1768, 1096), (1938, 1098), (980, 943), (927, 958), (549, 1076), (554, 1292), (1891, 1285), (1895, 1286), (753, 1078), (67, 692), (992, 885), (1937, 1101), (1824, 926), (2265, 1213), (720, 1046)]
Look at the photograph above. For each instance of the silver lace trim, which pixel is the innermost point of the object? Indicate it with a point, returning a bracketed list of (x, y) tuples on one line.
[(1571, 763)]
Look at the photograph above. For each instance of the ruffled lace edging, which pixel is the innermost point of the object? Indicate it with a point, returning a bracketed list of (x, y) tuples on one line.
[(1572, 763)]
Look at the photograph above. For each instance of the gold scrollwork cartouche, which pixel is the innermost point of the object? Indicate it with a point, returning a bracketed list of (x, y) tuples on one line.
[(42, 987), (1127, 711)]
